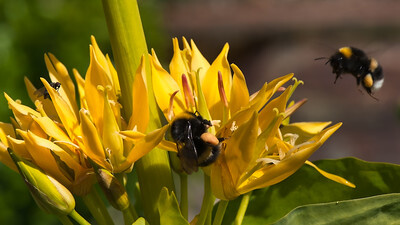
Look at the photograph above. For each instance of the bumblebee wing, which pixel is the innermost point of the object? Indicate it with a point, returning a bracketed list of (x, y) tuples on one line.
[(40, 92), (188, 153)]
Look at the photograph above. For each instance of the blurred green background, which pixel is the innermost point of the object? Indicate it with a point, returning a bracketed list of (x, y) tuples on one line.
[(268, 38)]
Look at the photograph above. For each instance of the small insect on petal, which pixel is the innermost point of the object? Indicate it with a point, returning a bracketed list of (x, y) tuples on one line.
[(43, 92)]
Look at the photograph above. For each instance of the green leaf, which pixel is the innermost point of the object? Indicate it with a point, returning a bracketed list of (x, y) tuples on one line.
[(169, 209), (307, 186), (382, 209)]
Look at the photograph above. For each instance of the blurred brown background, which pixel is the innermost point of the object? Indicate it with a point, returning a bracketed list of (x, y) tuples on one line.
[(272, 38)]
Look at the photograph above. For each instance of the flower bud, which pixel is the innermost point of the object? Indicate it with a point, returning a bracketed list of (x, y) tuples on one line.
[(113, 189), (50, 195)]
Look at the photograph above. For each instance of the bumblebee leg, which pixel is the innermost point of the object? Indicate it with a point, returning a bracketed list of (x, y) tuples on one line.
[(338, 75), (212, 157)]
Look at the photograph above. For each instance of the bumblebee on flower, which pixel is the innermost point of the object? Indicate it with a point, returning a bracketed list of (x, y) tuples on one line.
[(254, 153)]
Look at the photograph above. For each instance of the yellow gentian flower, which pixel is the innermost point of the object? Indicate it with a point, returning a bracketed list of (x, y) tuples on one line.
[(255, 153), (61, 133)]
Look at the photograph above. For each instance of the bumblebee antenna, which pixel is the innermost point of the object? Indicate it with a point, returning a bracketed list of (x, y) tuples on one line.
[(373, 97), (319, 58)]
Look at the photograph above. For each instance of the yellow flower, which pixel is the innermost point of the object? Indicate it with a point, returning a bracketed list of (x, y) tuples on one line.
[(255, 153), (61, 133)]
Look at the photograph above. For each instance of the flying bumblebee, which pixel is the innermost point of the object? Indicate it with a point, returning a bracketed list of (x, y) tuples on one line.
[(354, 61), (43, 92), (196, 147)]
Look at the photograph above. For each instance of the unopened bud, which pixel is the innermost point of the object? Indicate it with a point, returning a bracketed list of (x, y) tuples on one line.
[(113, 189), (50, 195)]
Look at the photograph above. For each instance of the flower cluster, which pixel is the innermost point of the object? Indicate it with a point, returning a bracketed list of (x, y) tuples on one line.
[(67, 138)]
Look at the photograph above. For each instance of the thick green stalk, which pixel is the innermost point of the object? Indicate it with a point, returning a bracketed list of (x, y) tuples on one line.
[(219, 216), (97, 208), (129, 216), (242, 209), (184, 195), (128, 44)]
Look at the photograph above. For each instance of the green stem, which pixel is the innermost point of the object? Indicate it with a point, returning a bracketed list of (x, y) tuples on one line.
[(78, 218), (242, 209), (209, 216), (65, 220), (184, 195), (133, 211), (97, 208), (207, 201), (219, 216), (130, 215), (128, 44)]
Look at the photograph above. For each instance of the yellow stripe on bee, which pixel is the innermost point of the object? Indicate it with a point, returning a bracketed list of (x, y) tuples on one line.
[(368, 82), (346, 51), (373, 65)]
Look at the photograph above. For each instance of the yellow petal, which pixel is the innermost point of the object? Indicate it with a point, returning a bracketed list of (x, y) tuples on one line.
[(19, 147), (146, 144), (210, 83), (267, 114), (305, 130), (51, 129), (92, 146), (58, 73), (240, 147), (112, 141), (239, 93), (198, 61), (48, 106), (23, 114), (239, 118), (177, 67), (99, 54), (275, 173), (67, 116), (331, 176), (114, 77), (135, 136), (81, 88), (164, 86), (5, 157), (222, 184), (96, 76), (268, 90), (39, 149), (6, 129), (140, 105)]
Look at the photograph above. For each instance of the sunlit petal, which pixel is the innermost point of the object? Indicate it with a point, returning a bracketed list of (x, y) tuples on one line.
[(198, 63), (330, 176), (275, 173), (146, 144), (210, 81), (112, 141), (140, 112), (93, 147), (164, 86), (67, 116), (58, 73), (239, 92)]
